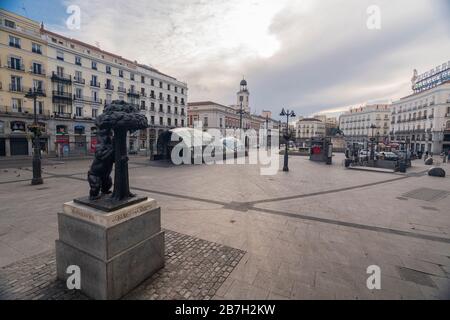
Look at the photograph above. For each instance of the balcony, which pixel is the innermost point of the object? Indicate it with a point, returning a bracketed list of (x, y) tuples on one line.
[(133, 93), (16, 88), (109, 86), (16, 66), (120, 89), (95, 84), (61, 77), (62, 97), (63, 115), (160, 98), (79, 81), (87, 99), (152, 96), (143, 94), (22, 111)]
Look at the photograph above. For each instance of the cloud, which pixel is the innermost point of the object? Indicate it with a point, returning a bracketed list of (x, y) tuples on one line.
[(307, 55)]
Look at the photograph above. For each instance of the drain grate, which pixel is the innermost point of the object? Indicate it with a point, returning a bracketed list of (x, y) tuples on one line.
[(426, 194)]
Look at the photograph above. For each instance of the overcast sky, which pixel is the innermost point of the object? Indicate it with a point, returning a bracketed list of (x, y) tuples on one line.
[(308, 55)]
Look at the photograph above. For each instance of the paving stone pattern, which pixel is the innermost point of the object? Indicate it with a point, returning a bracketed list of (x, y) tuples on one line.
[(195, 269)]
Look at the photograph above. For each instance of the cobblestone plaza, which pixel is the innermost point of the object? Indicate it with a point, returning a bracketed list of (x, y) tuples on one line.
[(232, 233)]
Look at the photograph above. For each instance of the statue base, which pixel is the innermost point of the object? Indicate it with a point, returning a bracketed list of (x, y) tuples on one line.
[(114, 250), (108, 204)]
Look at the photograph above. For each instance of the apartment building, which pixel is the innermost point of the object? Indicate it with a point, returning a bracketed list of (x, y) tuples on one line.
[(23, 66), (421, 121), (78, 80), (362, 123)]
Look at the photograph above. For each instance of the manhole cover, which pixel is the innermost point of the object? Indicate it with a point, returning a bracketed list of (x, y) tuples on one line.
[(427, 194)]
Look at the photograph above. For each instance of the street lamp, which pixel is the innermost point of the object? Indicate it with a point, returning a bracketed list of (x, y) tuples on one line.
[(287, 114), (37, 178), (372, 139)]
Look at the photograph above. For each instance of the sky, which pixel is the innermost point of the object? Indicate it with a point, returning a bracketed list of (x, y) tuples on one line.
[(310, 56)]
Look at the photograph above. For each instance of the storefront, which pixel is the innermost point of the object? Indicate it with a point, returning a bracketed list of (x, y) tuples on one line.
[(80, 145), (62, 141), (18, 140)]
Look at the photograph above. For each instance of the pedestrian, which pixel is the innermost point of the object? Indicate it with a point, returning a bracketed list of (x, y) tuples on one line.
[(426, 156)]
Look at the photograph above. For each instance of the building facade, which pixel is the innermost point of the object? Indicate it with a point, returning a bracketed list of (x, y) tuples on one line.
[(23, 66), (307, 128), (421, 121), (78, 80), (362, 123)]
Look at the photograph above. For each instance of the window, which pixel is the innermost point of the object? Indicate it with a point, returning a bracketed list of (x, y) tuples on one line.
[(14, 42), (161, 108), (60, 55), (16, 84), (94, 82), (142, 105), (95, 96), (78, 60), (182, 122), (152, 82), (94, 113), (16, 104), (38, 85), (161, 122), (176, 122), (169, 122), (10, 24), (152, 119), (182, 91), (40, 107), (36, 48), (160, 84), (176, 89), (168, 109), (78, 93), (16, 63), (37, 68), (60, 71), (205, 121), (142, 79), (94, 65), (120, 73), (78, 76), (168, 86), (79, 111), (108, 69), (132, 76), (152, 106)]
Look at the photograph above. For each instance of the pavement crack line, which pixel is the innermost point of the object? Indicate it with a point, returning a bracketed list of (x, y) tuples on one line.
[(306, 217)]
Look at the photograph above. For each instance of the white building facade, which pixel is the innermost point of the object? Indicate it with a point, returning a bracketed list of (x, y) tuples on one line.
[(422, 120), (362, 123)]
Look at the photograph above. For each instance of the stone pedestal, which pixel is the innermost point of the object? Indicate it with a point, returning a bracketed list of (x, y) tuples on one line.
[(115, 250)]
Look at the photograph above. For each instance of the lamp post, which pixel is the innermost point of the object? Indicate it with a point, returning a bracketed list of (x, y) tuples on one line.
[(287, 114), (372, 139), (37, 178)]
